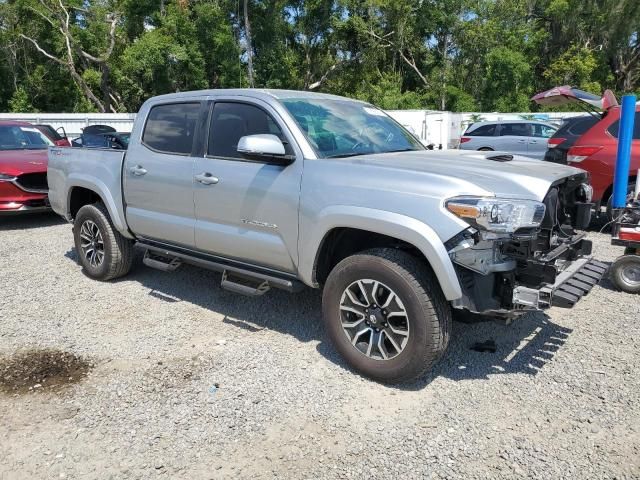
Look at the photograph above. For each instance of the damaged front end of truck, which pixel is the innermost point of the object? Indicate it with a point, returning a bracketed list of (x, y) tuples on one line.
[(524, 255)]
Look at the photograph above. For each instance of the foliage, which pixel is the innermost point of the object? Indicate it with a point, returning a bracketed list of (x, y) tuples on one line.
[(459, 55)]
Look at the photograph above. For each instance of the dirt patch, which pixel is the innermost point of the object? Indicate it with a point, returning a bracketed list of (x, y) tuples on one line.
[(41, 370)]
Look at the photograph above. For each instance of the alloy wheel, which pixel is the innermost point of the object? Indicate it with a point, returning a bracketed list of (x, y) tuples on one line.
[(91, 243), (374, 319)]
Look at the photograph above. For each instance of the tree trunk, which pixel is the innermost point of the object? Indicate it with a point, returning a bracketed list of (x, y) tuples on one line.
[(86, 90), (247, 34), (104, 87)]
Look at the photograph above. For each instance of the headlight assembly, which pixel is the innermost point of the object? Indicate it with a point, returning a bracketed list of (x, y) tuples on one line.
[(497, 215)]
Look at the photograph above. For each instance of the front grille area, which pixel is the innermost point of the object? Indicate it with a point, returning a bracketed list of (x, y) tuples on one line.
[(33, 181)]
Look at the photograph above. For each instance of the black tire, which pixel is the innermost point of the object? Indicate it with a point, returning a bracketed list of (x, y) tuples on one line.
[(117, 250), (485, 149), (428, 313), (622, 276), (630, 188)]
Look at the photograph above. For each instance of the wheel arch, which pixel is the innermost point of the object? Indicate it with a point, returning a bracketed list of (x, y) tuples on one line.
[(83, 191), (355, 229)]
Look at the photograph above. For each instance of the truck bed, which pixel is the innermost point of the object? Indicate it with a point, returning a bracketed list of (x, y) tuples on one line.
[(97, 169)]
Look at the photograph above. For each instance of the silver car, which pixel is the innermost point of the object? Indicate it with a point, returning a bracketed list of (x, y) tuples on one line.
[(521, 137)]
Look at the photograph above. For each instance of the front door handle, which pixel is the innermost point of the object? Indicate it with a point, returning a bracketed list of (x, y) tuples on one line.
[(138, 170), (206, 178)]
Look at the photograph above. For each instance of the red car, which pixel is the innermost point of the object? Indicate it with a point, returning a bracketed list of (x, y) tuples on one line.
[(58, 137), (595, 150), (23, 168)]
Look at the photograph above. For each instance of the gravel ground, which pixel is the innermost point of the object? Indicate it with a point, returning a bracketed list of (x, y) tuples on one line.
[(190, 381)]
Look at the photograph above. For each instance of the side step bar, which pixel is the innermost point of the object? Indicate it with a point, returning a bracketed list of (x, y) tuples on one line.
[(160, 262), (573, 284), (243, 285), (239, 279)]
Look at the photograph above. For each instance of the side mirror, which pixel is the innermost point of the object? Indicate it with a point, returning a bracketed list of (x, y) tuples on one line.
[(264, 146)]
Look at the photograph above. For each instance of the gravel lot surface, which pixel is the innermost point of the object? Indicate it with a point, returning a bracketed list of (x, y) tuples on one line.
[(558, 399)]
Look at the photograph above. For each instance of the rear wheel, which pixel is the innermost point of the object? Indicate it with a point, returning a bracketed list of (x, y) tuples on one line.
[(485, 149), (625, 273), (386, 315), (102, 251), (630, 188)]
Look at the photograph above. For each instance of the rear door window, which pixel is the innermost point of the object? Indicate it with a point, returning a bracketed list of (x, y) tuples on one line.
[(615, 128), (515, 130), (543, 131), (232, 121), (170, 128), (483, 131)]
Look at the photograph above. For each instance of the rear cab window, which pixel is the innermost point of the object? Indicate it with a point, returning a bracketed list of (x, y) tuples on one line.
[(170, 128)]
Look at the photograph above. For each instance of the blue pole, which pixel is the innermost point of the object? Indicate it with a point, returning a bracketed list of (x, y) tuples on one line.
[(623, 160)]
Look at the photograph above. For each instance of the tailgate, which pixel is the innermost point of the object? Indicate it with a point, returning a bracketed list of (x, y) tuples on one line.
[(565, 94)]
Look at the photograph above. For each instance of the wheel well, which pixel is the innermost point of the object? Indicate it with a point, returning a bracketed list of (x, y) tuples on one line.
[(80, 197), (341, 243), (609, 191)]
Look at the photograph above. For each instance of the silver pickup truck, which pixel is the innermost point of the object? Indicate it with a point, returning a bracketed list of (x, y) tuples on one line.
[(286, 189)]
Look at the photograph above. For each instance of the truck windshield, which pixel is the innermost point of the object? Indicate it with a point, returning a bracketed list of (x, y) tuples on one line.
[(15, 137), (340, 128)]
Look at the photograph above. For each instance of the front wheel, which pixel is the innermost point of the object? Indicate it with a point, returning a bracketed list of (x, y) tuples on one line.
[(102, 251), (386, 314)]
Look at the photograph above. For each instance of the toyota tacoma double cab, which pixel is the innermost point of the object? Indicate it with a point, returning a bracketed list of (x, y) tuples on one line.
[(286, 189)]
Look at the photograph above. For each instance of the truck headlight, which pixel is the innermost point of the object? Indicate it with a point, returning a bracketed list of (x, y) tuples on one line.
[(497, 214), (5, 177)]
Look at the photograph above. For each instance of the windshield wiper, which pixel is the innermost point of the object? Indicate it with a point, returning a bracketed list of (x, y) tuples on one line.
[(347, 155), (402, 150)]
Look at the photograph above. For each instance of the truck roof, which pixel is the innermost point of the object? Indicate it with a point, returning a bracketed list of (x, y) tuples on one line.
[(260, 93)]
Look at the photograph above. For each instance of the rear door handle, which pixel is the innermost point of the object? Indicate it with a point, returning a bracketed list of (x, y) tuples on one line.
[(138, 170), (206, 178)]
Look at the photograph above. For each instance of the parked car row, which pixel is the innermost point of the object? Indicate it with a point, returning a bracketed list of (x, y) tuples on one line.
[(586, 141), (520, 137), (23, 160), (596, 145)]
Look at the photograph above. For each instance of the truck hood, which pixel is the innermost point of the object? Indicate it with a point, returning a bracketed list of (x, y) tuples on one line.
[(17, 162), (507, 177)]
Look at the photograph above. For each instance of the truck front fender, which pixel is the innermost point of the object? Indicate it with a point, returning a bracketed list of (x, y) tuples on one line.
[(382, 222), (114, 205)]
